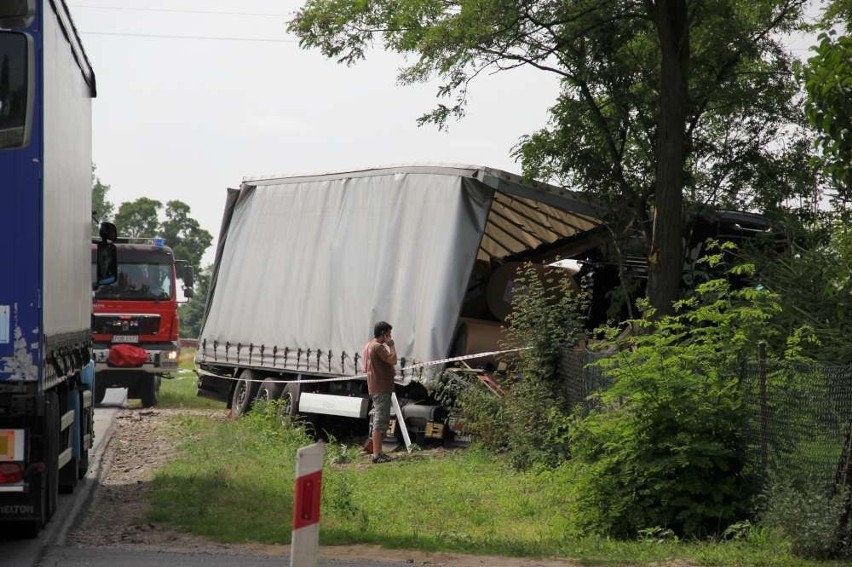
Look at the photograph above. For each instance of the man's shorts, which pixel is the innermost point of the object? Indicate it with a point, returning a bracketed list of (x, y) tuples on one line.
[(381, 411)]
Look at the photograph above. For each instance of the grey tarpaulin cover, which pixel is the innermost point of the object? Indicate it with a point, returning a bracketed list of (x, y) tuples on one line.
[(312, 262)]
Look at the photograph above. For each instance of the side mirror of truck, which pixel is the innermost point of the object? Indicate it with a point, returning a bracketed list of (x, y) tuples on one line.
[(107, 264), (185, 271), (108, 232), (16, 13), (106, 256)]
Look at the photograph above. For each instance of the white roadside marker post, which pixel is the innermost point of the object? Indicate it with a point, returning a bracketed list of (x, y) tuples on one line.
[(304, 542), (401, 421)]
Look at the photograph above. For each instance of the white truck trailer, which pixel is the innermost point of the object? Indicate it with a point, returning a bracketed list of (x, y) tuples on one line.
[(306, 264)]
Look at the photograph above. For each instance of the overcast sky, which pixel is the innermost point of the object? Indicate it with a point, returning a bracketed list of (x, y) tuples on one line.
[(187, 118), (180, 115)]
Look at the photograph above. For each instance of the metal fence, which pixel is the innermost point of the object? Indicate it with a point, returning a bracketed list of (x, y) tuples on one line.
[(799, 415)]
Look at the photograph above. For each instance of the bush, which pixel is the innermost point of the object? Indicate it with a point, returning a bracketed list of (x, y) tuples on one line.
[(812, 519), (664, 448), (530, 422)]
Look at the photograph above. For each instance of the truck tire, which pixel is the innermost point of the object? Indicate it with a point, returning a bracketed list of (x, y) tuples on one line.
[(289, 407), (150, 392), (269, 390), (245, 391)]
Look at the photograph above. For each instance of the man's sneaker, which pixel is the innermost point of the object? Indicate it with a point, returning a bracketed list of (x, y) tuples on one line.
[(381, 458)]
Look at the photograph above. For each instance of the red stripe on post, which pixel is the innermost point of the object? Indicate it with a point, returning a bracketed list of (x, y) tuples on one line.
[(306, 504)]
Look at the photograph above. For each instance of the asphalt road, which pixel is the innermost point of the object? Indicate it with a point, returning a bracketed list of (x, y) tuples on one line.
[(50, 549)]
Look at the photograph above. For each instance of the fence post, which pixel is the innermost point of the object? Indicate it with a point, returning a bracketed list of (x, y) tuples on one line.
[(304, 541), (764, 409)]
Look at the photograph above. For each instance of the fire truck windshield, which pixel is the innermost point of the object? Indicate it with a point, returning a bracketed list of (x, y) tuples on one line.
[(140, 282)]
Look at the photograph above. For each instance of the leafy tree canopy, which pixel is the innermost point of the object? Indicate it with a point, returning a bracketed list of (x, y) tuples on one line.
[(102, 208), (828, 79), (661, 100), (192, 312), (139, 218), (148, 218)]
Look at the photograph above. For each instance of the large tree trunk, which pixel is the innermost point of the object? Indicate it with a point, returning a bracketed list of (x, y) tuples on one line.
[(665, 257)]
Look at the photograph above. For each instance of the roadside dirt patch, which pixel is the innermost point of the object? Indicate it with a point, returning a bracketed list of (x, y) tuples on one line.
[(142, 442)]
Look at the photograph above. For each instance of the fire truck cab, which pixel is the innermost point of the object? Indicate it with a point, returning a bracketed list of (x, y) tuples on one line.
[(135, 326)]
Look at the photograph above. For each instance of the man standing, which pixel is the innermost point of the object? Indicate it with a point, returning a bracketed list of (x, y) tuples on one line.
[(379, 363)]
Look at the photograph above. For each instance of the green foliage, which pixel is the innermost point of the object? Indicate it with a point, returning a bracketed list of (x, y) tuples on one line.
[(192, 312), (812, 280), (232, 481), (142, 219), (102, 208), (183, 233), (180, 390), (139, 218), (814, 521), (665, 447), (530, 422), (827, 77), (731, 121)]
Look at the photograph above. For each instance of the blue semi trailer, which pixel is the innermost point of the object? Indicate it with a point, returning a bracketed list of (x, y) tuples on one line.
[(46, 369)]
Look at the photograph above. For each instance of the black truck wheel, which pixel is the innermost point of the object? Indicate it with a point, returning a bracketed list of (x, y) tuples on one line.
[(269, 390), (245, 391), (150, 391)]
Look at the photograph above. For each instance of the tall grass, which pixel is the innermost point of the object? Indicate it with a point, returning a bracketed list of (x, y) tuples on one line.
[(233, 482)]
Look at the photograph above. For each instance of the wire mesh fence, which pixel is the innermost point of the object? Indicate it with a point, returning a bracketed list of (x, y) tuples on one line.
[(799, 416)]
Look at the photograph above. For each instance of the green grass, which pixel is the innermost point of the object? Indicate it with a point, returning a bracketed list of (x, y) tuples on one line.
[(180, 390), (233, 482)]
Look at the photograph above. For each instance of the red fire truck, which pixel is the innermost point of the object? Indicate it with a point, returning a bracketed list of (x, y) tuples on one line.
[(135, 320)]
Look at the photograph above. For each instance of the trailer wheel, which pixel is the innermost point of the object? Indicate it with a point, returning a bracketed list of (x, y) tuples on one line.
[(289, 407), (245, 390), (269, 390), (151, 392)]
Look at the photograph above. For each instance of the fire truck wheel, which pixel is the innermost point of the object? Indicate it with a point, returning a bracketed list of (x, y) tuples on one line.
[(245, 391), (269, 390), (151, 392)]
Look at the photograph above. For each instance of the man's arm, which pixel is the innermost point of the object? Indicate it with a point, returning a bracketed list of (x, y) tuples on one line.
[(388, 353)]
